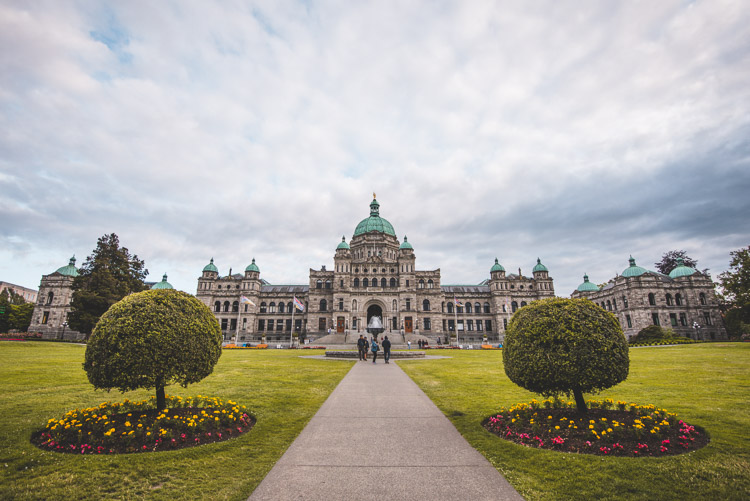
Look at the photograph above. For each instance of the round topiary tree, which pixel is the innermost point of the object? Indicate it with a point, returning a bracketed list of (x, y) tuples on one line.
[(152, 339), (559, 345)]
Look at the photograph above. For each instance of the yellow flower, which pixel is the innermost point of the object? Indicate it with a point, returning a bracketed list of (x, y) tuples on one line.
[(557, 427)]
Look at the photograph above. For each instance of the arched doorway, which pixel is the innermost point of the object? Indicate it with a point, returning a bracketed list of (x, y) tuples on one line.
[(375, 310)]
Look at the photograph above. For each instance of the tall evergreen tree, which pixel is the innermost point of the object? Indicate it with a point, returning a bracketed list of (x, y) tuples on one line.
[(107, 275), (736, 283), (669, 261)]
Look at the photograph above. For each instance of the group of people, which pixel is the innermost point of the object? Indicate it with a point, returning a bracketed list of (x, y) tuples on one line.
[(365, 345)]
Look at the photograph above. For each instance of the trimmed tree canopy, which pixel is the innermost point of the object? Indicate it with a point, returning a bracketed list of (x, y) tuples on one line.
[(152, 339), (558, 345)]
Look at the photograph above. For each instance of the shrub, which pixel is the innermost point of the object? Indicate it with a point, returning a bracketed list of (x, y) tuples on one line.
[(568, 346), (652, 332), (152, 339)]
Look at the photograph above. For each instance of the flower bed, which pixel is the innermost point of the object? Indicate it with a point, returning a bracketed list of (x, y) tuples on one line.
[(256, 347), (491, 347), (624, 429), (664, 342), (118, 428), (20, 336)]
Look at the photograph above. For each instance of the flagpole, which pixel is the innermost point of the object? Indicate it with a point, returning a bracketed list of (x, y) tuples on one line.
[(291, 334), (455, 312), (237, 330)]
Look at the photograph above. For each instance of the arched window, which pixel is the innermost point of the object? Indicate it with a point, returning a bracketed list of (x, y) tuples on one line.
[(468, 307), (328, 284), (365, 283), (450, 307), (323, 305), (609, 305), (426, 305), (236, 307), (421, 284), (50, 297), (652, 299), (614, 304), (486, 307), (281, 307), (442, 306), (477, 308), (430, 284), (354, 305), (263, 307), (319, 284), (226, 305), (217, 306), (356, 282), (702, 298), (393, 282), (523, 303), (669, 300), (382, 282), (513, 306), (289, 307), (374, 282), (219, 286), (272, 307)]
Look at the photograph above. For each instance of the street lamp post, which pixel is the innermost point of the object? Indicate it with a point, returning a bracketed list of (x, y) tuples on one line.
[(696, 328), (65, 324)]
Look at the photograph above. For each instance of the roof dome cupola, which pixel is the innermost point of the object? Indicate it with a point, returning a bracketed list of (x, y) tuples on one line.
[(374, 207), (163, 284), (406, 244), (69, 270), (211, 267), (633, 270), (681, 270), (343, 244), (587, 286), (253, 267), (374, 222), (539, 266), (496, 267)]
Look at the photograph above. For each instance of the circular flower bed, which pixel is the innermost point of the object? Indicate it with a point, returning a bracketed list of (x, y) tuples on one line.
[(119, 428), (623, 429)]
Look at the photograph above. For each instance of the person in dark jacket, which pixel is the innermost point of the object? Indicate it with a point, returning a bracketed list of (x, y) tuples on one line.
[(374, 349), (361, 347), (367, 348), (386, 349)]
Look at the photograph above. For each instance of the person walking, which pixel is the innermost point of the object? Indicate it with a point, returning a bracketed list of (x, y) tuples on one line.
[(367, 348), (361, 347), (409, 343), (374, 349), (386, 349)]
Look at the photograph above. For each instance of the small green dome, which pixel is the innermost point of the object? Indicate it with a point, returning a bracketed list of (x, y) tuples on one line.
[(539, 266), (211, 267), (252, 267), (406, 244), (497, 267), (69, 270), (343, 244), (163, 284), (633, 270), (587, 286), (681, 270), (374, 222)]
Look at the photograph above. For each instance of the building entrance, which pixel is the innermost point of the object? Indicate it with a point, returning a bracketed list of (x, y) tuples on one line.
[(407, 325), (340, 325)]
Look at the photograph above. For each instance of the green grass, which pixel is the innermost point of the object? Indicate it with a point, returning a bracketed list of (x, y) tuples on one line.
[(44, 380), (705, 384)]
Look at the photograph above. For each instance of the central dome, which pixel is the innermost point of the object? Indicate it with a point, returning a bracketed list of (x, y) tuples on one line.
[(374, 222)]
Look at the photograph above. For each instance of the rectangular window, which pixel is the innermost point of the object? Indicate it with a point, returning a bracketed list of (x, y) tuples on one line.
[(270, 325), (451, 325), (233, 325), (427, 324), (224, 324), (683, 320), (394, 324), (673, 319), (407, 283), (45, 317), (408, 305), (298, 324), (655, 318), (261, 325), (443, 325), (707, 318), (341, 305), (289, 325), (488, 325), (470, 325), (479, 325), (630, 322), (279, 325)]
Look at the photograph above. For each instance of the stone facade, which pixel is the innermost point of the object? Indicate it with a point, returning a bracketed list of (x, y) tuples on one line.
[(51, 311), (683, 301), (372, 275)]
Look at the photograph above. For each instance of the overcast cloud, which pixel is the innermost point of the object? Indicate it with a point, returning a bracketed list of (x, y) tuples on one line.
[(577, 132)]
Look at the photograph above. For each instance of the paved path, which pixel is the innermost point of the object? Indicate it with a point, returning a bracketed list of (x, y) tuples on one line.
[(378, 436)]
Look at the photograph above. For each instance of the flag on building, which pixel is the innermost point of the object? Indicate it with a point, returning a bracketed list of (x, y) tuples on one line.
[(298, 304), (458, 303), (243, 299)]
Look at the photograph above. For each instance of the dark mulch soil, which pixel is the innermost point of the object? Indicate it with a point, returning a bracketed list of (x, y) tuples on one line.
[(180, 437), (674, 440)]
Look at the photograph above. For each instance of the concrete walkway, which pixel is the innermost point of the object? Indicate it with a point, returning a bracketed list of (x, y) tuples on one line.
[(378, 436)]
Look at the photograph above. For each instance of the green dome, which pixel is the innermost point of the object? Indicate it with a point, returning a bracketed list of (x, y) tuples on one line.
[(497, 267), (681, 270), (539, 266), (69, 270), (343, 244), (163, 284), (406, 244), (587, 286), (374, 222), (252, 267), (211, 267), (633, 270)]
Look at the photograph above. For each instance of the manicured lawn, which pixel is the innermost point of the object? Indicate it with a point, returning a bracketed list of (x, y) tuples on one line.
[(44, 380), (705, 384)]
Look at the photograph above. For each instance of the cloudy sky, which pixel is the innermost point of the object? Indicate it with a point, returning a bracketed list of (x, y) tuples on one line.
[(577, 132)]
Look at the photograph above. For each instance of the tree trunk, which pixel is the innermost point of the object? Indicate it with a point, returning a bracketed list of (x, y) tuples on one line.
[(580, 402), (161, 401)]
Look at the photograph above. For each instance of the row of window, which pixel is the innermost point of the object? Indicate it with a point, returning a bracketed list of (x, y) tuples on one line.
[(676, 301), (673, 319)]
